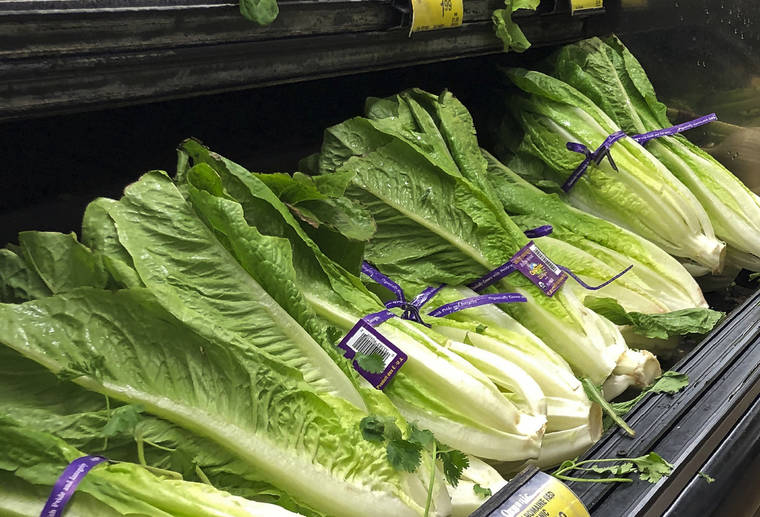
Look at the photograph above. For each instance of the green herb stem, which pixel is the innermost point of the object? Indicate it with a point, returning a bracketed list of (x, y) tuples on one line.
[(593, 393), (432, 480)]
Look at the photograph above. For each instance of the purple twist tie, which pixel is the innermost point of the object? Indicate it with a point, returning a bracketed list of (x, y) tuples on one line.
[(383, 280), (594, 288), (411, 309), (595, 157), (541, 231), (507, 268), (672, 130), (67, 483)]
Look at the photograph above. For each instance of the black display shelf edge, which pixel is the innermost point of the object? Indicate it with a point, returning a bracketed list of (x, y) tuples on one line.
[(686, 428), (69, 60)]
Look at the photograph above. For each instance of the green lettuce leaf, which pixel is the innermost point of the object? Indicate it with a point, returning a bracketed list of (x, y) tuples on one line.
[(99, 234), (62, 262), (263, 12), (507, 30), (660, 326), (18, 281)]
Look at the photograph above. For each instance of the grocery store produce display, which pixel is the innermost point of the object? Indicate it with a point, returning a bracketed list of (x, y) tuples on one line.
[(190, 335)]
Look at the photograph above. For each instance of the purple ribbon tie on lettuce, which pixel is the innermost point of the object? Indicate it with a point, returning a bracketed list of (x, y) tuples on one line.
[(67, 483), (412, 309), (603, 150), (507, 268), (672, 130), (594, 157), (594, 288)]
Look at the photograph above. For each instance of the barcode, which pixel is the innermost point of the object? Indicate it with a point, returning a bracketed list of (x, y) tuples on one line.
[(551, 265), (367, 344)]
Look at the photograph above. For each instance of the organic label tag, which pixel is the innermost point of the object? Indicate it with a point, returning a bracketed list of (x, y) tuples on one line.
[(542, 495), (582, 5), (365, 340), (531, 262), (428, 15)]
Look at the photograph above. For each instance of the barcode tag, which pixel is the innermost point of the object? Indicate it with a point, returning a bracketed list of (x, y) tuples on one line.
[(531, 262), (364, 339)]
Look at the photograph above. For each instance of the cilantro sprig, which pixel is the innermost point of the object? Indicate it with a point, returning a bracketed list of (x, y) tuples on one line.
[(668, 382), (482, 492), (650, 467), (406, 453)]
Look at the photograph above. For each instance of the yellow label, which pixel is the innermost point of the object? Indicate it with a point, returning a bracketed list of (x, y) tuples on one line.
[(428, 15), (580, 5), (542, 496)]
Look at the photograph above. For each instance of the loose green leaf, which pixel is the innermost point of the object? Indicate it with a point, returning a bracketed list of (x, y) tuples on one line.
[(662, 326), (421, 437), (262, 12), (669, 382), (404, 455), (372, 363), (122, 420), (484, 493), (616, 470), (454, 462), (754, 276), (706, 477), (594, 394), (650, 467), (373, 428), (507, 30)]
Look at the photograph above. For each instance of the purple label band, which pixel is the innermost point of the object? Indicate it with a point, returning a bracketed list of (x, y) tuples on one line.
[(412, 309), (595, 157), (377, 318), (678, 128), (67, 484), (476, 301), (492, 277), (541, 231), (383, 280), (604, 149)]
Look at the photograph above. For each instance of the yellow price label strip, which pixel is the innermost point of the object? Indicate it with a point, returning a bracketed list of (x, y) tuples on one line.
[(428, 15), (581, 5), (542, 496)]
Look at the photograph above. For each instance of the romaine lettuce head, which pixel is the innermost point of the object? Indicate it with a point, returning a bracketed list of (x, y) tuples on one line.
[(418, 169), (642, 195), (435, 389), (607, 72)]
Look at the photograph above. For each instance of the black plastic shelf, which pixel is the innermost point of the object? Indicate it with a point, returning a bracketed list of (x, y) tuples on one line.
[(701, 428), (59, 56)]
